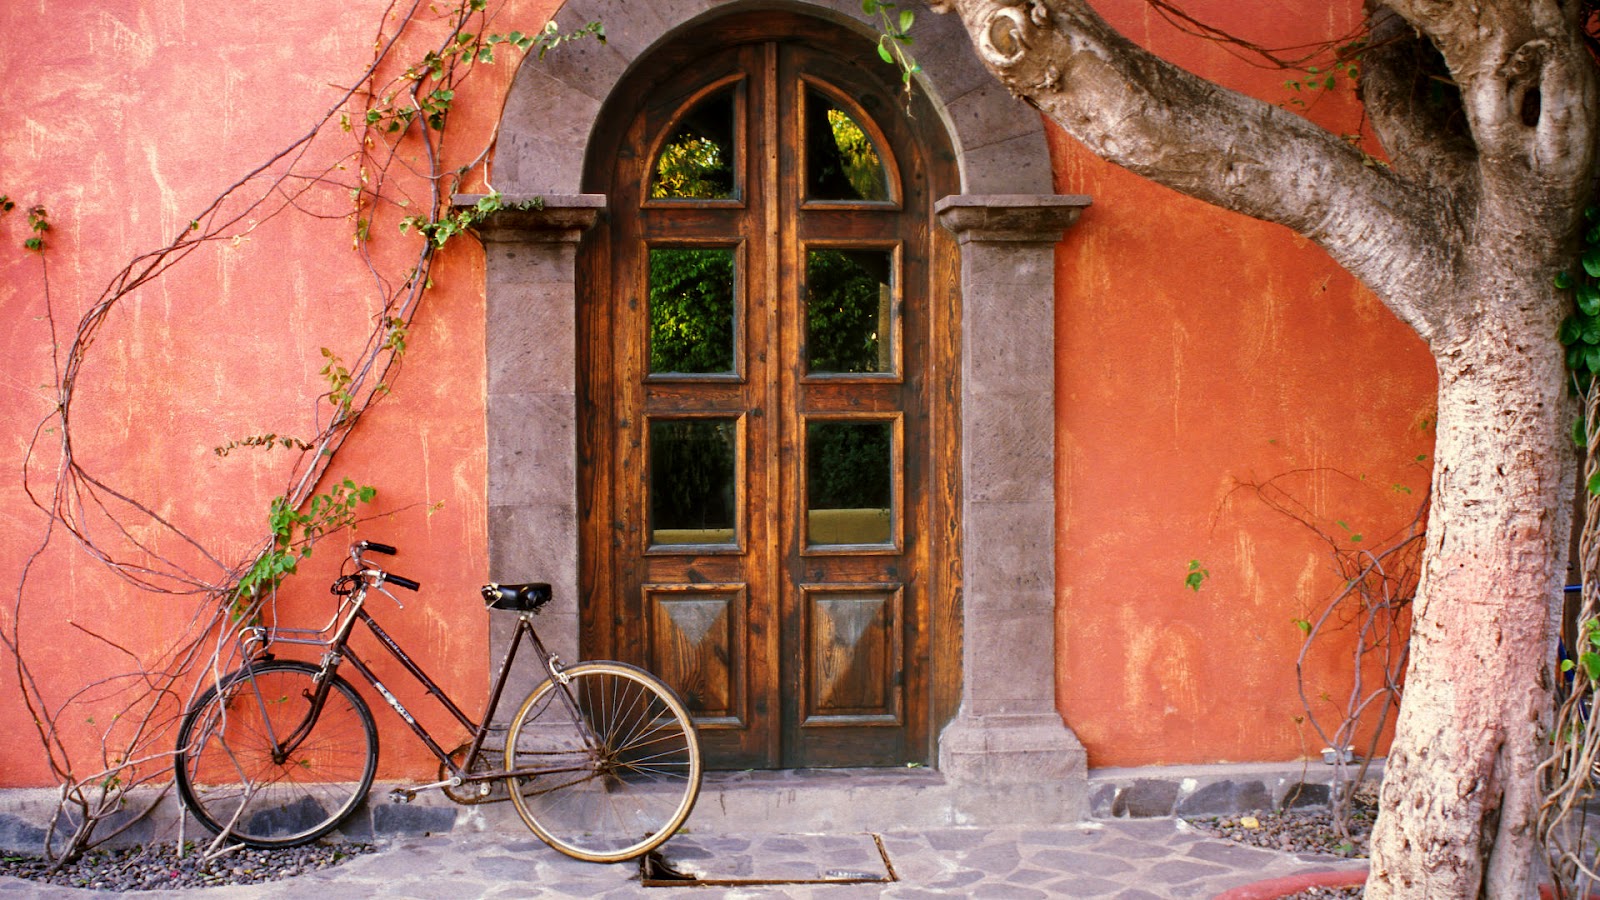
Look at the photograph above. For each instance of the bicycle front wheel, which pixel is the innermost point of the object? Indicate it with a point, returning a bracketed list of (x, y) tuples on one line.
[(605, 767), (233, 776)]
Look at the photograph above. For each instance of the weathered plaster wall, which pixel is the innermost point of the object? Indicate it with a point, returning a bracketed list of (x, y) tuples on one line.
[(124, 119), (1199, 349)]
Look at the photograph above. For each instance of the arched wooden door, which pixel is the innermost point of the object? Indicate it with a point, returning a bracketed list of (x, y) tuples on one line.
[(761, 342)]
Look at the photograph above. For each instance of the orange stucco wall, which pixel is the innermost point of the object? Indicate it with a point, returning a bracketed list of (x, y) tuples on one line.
[(124, 120), (1199, 350), (1196, 348)]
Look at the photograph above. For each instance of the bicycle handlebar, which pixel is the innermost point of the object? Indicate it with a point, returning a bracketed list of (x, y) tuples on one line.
[(406, 583), (361, 547)]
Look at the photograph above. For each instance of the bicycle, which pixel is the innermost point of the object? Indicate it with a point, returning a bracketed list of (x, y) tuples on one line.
[(601, 759)]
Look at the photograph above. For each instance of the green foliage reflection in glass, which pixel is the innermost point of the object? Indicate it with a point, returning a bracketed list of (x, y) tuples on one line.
[(692, 481), (849, 481), (841, 161), (691, 310), (848, 298), (696, 163)]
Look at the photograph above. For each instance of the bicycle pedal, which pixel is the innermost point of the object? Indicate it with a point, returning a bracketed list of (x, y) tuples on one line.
[(401, 795)]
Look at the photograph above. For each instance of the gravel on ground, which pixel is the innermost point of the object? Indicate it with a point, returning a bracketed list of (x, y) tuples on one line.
[(160, 867), (1305, 830)]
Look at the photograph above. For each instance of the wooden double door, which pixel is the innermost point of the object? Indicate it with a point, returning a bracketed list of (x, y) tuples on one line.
[(758, 450)]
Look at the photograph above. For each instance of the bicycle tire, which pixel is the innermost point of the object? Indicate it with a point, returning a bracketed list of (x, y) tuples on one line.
[(224, 767), (629, 795)]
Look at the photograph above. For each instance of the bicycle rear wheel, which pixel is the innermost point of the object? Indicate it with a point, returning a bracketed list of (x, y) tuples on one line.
[(230, 777), (614, 783)]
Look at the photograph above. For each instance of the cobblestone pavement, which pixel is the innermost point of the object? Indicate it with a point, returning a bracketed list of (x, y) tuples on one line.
[(1125, 859)]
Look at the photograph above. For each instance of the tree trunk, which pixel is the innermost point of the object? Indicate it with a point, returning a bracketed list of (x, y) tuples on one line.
[(1459, 794)]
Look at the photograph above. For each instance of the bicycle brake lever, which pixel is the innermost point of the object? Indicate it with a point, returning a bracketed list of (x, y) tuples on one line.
[(385, 591)]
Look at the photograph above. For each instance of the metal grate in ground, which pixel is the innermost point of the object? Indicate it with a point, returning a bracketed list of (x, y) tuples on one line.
[(767, 859)]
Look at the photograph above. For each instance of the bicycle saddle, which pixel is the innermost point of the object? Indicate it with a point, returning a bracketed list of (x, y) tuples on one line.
[(516, 597)]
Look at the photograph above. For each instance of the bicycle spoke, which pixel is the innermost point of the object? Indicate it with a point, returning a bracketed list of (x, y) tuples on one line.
[(227, 772), (646, 773)]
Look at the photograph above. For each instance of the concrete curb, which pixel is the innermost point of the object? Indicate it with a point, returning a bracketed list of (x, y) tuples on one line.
[(1217, 790), (818, 800)]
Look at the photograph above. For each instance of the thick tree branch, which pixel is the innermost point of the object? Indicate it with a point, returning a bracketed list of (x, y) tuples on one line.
[(1526, 87), (1412, 105), (1138, 111)]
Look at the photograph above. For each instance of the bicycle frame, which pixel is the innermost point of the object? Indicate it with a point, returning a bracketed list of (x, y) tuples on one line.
[(338, 651)]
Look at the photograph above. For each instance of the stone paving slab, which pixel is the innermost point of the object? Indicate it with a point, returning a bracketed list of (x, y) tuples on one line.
[(1150, 859)]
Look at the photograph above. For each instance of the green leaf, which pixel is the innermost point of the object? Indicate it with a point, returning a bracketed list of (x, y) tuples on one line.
[(1304, 626), (1594, 484), (1591, 263), (1569, 331), (1591, 665), (1563, 280), (883, 52), (1580, 435), (1588, 297), (1591, 357), (906, 18)]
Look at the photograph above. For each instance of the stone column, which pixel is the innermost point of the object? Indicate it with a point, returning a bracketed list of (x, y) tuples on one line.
[(530, 252), (1008, 752)]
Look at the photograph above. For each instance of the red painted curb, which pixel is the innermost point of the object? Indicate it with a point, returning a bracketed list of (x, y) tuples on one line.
[(1274, 888)]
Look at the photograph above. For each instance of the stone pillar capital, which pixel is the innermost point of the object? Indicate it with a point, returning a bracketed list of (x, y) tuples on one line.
[(536, 219), (1031, 218)]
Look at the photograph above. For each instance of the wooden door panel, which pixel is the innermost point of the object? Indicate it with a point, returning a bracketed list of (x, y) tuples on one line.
[(853, 655), (697, 645)]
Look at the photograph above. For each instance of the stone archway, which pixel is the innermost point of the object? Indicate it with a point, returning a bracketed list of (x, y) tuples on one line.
[(1007, 752)]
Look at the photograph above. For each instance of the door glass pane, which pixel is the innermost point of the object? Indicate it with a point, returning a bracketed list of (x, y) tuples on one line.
[(849, 482), (849, 301), (691, 310), (842, 163), (693, 472), (696, 162)]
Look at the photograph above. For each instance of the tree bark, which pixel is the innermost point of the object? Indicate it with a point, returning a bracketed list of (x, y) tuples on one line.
[(1459, 796), (1460, 236)]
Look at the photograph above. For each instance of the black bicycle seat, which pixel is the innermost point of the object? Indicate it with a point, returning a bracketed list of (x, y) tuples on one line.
[(516, 597)]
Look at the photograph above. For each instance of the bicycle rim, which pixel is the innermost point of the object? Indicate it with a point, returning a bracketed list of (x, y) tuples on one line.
[(620, 794), (226, 772)]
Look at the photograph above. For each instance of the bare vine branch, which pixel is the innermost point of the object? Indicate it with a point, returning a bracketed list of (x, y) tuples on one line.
[(377, 151)]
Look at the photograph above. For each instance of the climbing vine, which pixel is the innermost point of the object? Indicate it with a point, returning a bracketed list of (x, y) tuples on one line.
[(381, 145), (1571, 768)]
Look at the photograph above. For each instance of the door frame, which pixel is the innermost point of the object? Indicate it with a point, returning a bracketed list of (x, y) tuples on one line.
[(1004, 729), (767, 668)]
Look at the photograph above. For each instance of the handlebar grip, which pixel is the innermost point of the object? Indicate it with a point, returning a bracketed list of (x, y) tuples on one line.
[(376, 547), (406, 583)]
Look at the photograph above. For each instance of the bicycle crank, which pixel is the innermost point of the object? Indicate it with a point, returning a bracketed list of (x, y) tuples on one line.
[(475, 792)]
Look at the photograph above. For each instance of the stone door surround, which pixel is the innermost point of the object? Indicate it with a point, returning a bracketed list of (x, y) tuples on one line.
[(1007, 750)]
